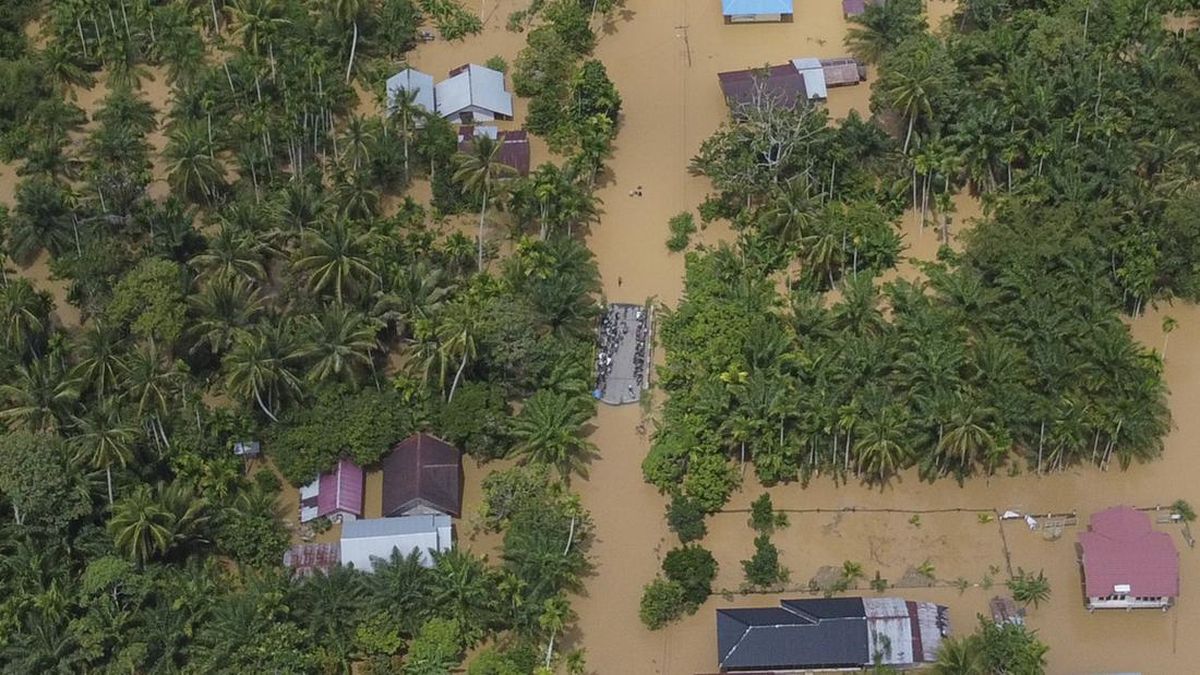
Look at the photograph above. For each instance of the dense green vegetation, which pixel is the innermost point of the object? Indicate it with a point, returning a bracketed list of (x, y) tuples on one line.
[(1007, 353), (247, 266), (993, 649)]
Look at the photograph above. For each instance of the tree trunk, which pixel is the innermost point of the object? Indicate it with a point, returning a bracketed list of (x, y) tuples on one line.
[(108, 476), (353, 46), (481, 212), (908, 137), (550, 650), (262, 405), (457, 375), (216, 22)]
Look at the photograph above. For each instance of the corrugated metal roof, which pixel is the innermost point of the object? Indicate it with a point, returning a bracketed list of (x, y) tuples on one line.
[(732, 7), (341, 490), (473, 86), (783, 84), (364, 541), (422, 470), (814, 77), (410, 80), (810, 633), (1121, 547)]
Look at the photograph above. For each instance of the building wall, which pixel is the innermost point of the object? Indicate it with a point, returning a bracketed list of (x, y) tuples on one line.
[(1122, 602), (758, 18)]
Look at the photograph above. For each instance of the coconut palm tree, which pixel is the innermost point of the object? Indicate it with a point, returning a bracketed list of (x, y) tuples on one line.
[(415, 292), (338, 343), (257, 22), (882, 27), (232, 252), (357, 141), (481, 171), (959, 656), (400, 587), (99, 351), (192, 168), (152, 383), (221, 308), (335, 258), (140, 526), (101, 440), (556, 614), (464, 591), (881, 447), (549, 431), (347, 13), (41, 219), (405, 109), (39, 396), (456, 340), (25, 315), (260, 366)]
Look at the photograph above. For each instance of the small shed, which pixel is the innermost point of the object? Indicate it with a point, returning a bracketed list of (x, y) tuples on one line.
[(365, 541), (782, 84), (853, 8), (422, 476), (337, 494), (757, 11), (412, 81), (843, 71), (1127, 564), (247, 449), (474, 93), (514, 145)]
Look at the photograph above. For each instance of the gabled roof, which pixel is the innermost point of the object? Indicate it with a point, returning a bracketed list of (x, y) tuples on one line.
[(783, 83), (1121, 548), (473, 86), (422, 470), (731, 7), (364, 541), (341, 490), (829, 633), (812, 633), (413, 80)]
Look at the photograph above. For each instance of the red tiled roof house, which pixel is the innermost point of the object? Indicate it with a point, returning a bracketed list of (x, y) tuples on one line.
[(337, 494), (422, 476), (1126, 563)]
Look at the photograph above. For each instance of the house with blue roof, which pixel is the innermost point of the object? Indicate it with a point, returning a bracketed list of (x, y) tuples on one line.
[(756, 11)]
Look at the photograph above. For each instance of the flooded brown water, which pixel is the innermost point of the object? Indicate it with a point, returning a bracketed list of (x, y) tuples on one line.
[(664, 62), (664, 56)]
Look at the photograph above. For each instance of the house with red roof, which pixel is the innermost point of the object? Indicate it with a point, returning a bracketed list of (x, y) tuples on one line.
[(1126, 563), (336, 494), (422, 476)]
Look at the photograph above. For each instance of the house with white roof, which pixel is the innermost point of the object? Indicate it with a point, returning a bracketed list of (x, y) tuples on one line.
[(366, 540), (473, 93), (412, 81)]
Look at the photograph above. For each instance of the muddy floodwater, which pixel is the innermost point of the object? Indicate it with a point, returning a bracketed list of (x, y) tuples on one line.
[(663, 56)]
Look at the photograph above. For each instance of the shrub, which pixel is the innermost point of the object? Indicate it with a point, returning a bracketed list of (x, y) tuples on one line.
[(763, 516), (682, 227), (685, 517), (476, 420), (693, 568), (452, 21), (1029, 589), (763, 568), (497, 63), (1184, 510), (663, 601)]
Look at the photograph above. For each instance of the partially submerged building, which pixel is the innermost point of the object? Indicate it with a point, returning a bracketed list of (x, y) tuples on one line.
[(851, 8), (778, 85), (473, 93), (830, 633), (756, 11), (1126, 563), (366, 541), (422, 476), (415, 82), (336, 494), (514, 145)]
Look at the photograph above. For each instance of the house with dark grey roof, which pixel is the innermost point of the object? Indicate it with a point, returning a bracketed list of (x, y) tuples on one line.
[(780, 85), (422, 476), (819, 633)]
